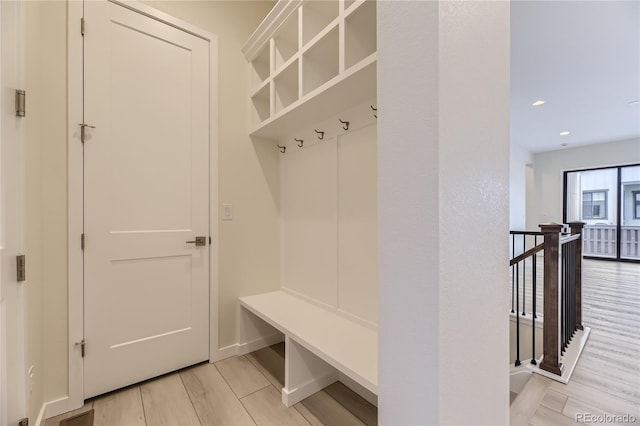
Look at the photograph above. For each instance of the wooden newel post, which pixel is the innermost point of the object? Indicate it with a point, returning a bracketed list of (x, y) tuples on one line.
[(576, 228), (551, 330)]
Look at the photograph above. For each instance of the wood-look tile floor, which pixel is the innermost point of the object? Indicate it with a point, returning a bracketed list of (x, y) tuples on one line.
[(239, 391), (606, 380)]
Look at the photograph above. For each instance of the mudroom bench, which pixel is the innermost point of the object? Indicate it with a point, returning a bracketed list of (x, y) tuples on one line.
[(322, 345)]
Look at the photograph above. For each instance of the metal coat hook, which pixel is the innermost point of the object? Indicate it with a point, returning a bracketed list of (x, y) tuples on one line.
[(345, 124), (300, 142), (374, 110), (282, 148), (320, 134)]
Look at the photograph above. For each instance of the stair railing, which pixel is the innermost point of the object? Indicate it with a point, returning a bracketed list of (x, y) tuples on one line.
[(562, 293), (527, 241)]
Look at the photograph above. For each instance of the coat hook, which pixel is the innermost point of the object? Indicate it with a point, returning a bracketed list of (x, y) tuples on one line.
[(345, 124), (374, 110), (320, 134), (282, 148), (300, 142)]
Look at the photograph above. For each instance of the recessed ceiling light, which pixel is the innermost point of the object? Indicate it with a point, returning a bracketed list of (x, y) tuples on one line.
[(538, 103), (636, 102), (564, 144), (565, 133)]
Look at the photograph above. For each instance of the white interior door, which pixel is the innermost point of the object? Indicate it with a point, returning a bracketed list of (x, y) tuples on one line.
[(12, 313), (146, 195)]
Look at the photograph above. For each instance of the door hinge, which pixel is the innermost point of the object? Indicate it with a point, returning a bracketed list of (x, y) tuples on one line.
[(82, 242), (21, 101), (83, 133), (82, 345), (23, 422), (82, 26), (21, 269)]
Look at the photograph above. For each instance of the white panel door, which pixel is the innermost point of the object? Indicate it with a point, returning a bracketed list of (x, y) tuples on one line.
[(146, 195)]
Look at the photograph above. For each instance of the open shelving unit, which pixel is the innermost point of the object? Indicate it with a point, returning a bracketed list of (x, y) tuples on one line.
[(320, 62), (261, 67), (286, 87), (308, 59), (316, 16), (285, 42), (360, 36), (261, 104)]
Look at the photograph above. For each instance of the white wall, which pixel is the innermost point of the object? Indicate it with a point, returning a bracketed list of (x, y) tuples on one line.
[(519, 160), (548, 168), (443, 151), (329, 214), (248, 179), (526, 345), (46, 196)]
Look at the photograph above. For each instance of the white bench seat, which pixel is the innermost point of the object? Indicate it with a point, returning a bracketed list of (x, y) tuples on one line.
[(313, 332)]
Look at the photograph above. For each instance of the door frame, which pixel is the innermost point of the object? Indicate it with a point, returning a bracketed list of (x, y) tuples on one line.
[(75, 398), (13, 335)]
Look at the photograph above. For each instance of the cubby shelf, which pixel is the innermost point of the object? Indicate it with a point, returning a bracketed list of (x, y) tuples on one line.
[(286, 41), (316, 16), (286, 87), (321, 58), (360, 34), (342, 92)]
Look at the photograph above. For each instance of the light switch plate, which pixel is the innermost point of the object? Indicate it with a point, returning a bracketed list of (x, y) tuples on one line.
[(227, 212)]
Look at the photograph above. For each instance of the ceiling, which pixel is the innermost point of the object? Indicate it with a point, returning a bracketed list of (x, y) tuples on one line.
[(583, 59)]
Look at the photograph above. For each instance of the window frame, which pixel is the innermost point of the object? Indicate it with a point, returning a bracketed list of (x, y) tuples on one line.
[(606, 204)]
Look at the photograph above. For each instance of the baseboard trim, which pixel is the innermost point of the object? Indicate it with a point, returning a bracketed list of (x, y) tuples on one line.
[(54, 408), (223, 353), (365, 393), (256, 344), (238, 349), (40, 419), (293, 396), (570, 357)]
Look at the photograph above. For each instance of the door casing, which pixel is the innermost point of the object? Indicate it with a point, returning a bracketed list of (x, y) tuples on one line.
[(13, 327), (75, 398)]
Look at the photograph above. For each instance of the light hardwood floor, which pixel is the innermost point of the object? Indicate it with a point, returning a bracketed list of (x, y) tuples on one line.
[(606, 379), (245, 390), (236, 391)]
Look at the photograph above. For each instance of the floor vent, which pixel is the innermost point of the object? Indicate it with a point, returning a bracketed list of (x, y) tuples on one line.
[(82, 419)]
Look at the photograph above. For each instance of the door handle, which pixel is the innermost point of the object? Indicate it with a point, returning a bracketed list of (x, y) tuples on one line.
[(199, 241)]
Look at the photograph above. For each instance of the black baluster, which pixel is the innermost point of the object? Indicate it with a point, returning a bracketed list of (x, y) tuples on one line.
[(524, 276), (517, 315), (534, 296), (535, 268), (513, 278), (562, 303)]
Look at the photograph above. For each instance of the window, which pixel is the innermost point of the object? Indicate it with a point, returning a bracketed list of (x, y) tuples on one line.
[(636, 204), (594, 204)]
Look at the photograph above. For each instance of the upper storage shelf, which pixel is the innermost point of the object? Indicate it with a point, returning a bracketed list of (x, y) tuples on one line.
[(309, 59)]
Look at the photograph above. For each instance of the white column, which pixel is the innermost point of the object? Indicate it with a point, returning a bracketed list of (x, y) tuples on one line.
[(574, 197), (443, 164)]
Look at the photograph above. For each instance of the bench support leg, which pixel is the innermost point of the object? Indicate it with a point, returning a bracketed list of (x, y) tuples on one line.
[(305, 373)]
